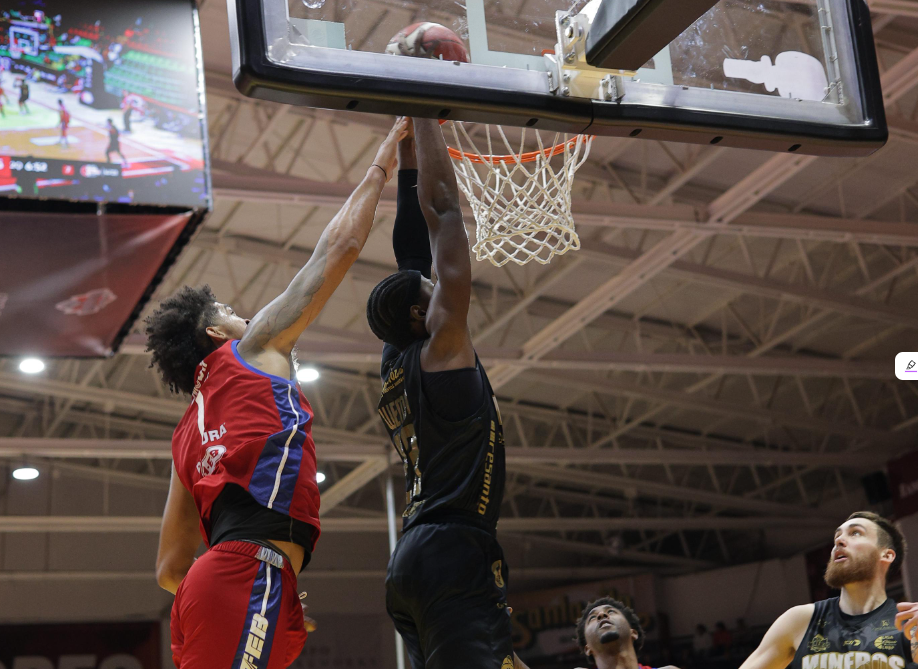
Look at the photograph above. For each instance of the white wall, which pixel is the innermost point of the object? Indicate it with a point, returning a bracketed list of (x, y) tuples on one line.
[(758, 592)]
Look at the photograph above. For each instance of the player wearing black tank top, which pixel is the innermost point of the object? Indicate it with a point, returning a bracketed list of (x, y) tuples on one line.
[(447, 579), (858, 629)]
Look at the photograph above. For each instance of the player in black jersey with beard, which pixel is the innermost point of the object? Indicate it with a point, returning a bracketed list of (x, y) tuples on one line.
[(447, 580), (858, 629)]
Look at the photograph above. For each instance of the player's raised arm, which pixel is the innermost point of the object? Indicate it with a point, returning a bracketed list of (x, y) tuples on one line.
[(447, 317), (781, 640), (276, 328)]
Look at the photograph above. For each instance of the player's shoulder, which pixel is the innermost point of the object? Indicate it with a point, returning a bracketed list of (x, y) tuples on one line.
[(796, 618)]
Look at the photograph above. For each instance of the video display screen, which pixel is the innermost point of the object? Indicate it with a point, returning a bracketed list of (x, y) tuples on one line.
[(102, 100)]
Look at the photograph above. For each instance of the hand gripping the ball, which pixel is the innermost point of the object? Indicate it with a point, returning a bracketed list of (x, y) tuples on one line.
[(428, 40)]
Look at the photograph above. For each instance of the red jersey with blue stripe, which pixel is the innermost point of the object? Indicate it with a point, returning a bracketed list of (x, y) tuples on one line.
[(250, 428)]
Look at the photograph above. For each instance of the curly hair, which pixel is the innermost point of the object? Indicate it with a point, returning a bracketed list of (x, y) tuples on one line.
[(389, 308), (629, 614), (177, 335)]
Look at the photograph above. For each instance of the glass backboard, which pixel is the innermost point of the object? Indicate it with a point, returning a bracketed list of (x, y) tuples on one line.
[(781, 75)]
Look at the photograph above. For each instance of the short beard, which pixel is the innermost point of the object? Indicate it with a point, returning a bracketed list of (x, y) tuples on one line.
[(839, 575)]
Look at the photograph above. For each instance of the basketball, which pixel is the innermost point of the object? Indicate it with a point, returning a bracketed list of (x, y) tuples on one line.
[(428, 40)]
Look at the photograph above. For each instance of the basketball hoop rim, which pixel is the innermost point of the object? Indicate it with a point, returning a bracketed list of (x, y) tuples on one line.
[(527, 157)]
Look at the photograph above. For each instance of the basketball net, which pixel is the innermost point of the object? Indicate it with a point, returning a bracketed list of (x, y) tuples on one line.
[(521, 200)]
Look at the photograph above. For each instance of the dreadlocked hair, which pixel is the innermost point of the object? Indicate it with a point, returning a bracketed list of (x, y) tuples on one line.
[(389, 308), (177, 335), (633, 620)]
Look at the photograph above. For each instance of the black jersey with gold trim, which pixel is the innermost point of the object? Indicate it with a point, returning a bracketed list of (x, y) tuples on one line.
[(454, 470), (835, 640)]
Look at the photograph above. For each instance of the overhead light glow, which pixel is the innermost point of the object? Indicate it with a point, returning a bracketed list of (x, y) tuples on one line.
[(307, 374), (320, 477), (31, 366), (25, 473)]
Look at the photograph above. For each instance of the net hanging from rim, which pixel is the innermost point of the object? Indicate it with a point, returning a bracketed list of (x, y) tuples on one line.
[(520, 199)]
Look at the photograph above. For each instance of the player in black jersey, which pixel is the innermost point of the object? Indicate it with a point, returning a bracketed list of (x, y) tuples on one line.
[(856, 630), (610, 635), (446, 585)]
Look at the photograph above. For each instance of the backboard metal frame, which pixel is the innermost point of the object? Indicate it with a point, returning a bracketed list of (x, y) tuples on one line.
[(273, 59)]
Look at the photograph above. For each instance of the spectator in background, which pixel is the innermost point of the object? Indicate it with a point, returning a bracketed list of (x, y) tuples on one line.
[(721, 640), (701, 642)]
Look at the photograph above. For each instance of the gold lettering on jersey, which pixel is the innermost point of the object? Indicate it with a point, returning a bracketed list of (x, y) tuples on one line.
[(396, 416), (497, 570), (853, 642), (395, 377), (255, 642), (395, 412), (853, 660), (885, 642), (485, 497), (884, 623), (819, 644)]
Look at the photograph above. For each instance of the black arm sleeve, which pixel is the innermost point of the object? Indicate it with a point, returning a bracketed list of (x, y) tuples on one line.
[(410, 241), (410, 238)]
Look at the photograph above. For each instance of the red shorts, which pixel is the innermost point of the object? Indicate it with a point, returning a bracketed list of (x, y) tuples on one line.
[(237, 609)]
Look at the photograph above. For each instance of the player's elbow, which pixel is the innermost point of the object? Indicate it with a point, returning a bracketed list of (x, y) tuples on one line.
[(439, 201), (169, 576), (346, 249)]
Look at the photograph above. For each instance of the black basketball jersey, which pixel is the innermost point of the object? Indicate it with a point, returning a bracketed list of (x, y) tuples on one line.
[(454, 471), (835, 640)]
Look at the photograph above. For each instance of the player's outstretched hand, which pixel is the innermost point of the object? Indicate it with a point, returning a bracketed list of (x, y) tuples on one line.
[(387, 156), (308, 622), (907, 618)]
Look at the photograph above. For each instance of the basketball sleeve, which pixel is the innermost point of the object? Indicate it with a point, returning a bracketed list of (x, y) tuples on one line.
[(410, 239)]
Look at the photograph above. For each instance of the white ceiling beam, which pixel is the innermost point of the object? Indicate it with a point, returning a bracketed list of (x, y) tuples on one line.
[(896, 7), (721, 212), (608, 552), (580, 478), (768, 288), (360, 350), (901, 78), (351, 482), (150, 524), (739, 410), (127, 449), (529, 573), (262, 186), (612, 255)]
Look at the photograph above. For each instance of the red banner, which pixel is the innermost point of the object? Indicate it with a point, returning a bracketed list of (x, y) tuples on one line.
[(71, 284), (903, 481), (80, 646)]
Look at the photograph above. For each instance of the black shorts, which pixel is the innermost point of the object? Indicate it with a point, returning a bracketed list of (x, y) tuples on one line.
[(446, 592)]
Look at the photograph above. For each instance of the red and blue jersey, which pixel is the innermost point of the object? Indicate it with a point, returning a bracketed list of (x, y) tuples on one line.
[(250, 428)]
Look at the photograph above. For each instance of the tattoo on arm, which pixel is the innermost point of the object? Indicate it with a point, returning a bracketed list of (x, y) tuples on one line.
[(294, 303), (914, 642)]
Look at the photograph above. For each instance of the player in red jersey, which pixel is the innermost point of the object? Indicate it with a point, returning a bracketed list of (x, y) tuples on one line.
[(610, 634), (244, 469), (65, 123)]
